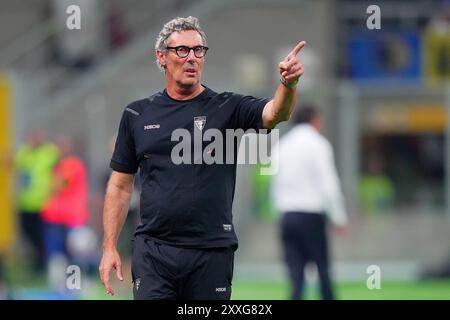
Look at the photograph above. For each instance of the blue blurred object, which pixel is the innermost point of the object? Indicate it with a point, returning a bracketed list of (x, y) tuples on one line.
[(42, 294), (380, 56)]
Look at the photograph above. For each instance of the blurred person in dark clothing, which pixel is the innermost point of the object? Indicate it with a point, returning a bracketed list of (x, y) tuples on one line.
[(306, 192)]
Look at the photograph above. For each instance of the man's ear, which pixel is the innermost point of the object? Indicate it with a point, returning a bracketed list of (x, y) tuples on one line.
[(161, 57)]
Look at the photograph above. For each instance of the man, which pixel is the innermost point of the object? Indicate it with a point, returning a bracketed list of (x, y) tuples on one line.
[(304, 189), (67, 208), (184, 245), (34, 163)]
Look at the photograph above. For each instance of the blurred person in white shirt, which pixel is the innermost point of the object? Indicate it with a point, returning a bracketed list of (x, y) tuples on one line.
[(307, 193)]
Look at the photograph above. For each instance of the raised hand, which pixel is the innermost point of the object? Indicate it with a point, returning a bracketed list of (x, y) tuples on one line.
[(291, 68)]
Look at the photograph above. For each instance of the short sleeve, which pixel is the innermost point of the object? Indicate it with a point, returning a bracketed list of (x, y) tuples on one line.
[(124, 157), (248, 112)]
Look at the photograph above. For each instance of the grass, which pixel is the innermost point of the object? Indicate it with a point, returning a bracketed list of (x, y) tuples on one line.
[(390, 290), (271, 290), (20, 280)]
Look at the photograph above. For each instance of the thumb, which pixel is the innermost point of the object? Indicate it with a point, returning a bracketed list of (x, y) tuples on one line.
[(119, 272)]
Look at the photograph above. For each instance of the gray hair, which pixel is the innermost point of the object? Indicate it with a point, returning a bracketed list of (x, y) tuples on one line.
[(176, 25)]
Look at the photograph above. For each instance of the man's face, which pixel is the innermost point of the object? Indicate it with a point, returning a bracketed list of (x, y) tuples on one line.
[(187, 71)]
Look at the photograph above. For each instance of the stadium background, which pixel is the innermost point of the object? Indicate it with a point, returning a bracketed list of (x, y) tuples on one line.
[(385, 96)]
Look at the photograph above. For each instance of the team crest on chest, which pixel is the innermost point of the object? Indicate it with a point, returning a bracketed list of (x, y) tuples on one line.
[(200, 122)]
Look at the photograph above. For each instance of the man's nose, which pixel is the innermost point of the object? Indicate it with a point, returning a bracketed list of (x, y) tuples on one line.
[(191, 56)]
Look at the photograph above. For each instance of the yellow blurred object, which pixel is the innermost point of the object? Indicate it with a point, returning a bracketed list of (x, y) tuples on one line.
[(436, 62), (409, 119), (427, 118), (6, 174)]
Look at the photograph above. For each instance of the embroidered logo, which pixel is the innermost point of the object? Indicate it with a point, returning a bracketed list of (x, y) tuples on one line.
[(152, 126), (200, 122)]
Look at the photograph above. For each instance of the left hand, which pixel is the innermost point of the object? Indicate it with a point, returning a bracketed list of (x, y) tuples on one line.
[(291, 68)]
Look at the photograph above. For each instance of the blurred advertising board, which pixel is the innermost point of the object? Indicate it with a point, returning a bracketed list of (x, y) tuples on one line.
[(407, 118), (436, 62), (6, 174), (385, 55)]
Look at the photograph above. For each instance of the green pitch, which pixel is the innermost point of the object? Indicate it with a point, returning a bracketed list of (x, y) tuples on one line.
[(260, 290)]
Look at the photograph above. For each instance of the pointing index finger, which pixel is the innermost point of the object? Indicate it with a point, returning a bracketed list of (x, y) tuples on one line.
[(297, 48)]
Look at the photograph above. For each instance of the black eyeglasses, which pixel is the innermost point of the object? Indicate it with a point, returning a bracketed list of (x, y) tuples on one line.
[(183, 51)]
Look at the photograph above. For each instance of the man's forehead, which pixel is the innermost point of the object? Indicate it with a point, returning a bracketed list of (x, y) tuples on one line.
[(186, 37)]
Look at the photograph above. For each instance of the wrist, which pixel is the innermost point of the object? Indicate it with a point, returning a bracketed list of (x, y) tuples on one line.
[(287, 84), (109, 246)]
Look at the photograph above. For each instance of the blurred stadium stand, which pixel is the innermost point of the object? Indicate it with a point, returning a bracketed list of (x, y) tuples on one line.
[(401, 118)]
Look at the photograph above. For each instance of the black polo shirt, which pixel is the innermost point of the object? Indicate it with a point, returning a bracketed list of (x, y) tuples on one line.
[(187, 204)]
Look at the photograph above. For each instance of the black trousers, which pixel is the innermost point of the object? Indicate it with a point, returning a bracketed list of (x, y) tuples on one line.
[(304, 240), (165, 272), (32, 227)]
